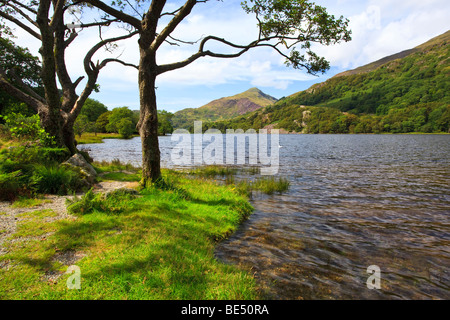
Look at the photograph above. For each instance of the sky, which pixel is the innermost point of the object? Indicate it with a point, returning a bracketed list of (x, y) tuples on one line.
[(379, 28)]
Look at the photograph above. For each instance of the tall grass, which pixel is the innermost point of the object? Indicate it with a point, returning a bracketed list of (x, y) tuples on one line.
[(55, 179), (267, 185)]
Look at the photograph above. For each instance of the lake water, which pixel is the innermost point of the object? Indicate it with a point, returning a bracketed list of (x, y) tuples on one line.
[(355, 201)]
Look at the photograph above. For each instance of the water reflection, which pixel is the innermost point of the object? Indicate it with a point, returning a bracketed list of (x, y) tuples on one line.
[(355, 201)]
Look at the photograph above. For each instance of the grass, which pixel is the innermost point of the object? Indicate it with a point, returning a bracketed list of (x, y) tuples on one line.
[(114, 166), (158, 245), (90, 137), (267, 185), (24, 202)]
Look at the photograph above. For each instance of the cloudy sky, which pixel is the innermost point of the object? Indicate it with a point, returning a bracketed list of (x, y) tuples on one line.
[(380, 28)]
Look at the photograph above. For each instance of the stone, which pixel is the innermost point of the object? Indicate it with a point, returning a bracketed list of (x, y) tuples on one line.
[(77, 161)]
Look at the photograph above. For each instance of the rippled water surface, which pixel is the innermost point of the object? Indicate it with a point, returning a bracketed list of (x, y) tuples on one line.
[(354, 201)]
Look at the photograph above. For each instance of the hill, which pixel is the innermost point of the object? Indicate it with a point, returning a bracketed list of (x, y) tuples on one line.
[(224, 108), (406, 92)]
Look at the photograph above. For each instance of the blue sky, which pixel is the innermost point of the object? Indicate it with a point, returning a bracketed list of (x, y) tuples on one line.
[(380, 28)]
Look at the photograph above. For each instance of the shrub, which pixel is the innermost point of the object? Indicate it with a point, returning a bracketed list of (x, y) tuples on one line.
[(55, 179), (9, 185), (29, 128)]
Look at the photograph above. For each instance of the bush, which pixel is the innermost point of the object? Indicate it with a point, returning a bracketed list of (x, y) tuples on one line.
[(55, 180), (9, 185), (28, 128)]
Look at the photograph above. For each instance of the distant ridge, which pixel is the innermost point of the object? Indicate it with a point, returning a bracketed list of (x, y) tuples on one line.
[(224, 108), (445, 37)]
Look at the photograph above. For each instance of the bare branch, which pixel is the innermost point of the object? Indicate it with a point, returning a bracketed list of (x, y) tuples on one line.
[(24, 87), (182, 13), (20, 12), (23, 6), (136, 23), (20, 24), (106, 61), (5, 85), (88, 58)]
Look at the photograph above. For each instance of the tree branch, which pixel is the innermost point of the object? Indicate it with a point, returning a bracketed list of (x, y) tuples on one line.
[(24, 87), (106, 61), (20, 24), (136, 23), (183, 12), (32, 102)]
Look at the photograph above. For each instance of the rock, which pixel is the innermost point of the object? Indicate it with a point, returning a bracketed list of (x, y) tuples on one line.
[(77, 161)]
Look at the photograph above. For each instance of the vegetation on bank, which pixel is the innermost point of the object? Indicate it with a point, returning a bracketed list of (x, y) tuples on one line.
[(158, 244), (153, 243)]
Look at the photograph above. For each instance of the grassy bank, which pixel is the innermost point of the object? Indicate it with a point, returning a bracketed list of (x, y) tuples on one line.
[(90, 137), (155, 245)]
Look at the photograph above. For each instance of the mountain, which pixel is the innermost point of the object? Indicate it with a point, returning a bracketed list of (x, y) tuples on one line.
[(405, 92), (224, 108), (374, 65)]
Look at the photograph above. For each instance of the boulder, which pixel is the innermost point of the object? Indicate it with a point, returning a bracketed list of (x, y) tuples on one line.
[(78, 162)]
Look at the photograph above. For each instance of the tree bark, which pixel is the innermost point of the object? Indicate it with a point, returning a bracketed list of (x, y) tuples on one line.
[(148, 122)]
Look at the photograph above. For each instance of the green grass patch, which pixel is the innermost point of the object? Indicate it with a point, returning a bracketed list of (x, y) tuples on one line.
[(90, 137), (268, 185), (114, 166), (120, 176), (158, 245), (23, 202)]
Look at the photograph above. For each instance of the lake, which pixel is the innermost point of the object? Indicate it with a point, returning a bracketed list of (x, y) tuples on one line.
[(355, 201)]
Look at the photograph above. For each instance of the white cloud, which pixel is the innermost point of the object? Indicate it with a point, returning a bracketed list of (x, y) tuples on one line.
[(386, 27), (380, 28)]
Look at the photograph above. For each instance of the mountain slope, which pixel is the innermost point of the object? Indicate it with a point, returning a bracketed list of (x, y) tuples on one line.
[(224, 108), (445, 37), (407, 92)]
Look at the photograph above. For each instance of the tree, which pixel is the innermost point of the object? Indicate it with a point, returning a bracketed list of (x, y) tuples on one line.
[(92, 109), (103, 121), (117, 115), (21, 64), (82, 125), (58, 107), (126, 128), (164, 122), (282, 24)]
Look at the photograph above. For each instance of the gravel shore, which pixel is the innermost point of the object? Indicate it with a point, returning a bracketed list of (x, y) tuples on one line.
[(9, 216)]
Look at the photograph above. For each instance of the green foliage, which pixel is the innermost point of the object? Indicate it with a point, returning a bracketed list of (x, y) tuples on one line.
[(114, 202), (55, 179), (164, 122), (126, 128), (102, 122), (405, 95), (27, 169), (82, 125), (286, 20), (9, 185), (26, 128), (116, 116), (18, 63), (92, 109)]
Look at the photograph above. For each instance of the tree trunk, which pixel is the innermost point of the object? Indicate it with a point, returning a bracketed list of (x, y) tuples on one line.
[(52, 123), (69, 137), (148, 121)]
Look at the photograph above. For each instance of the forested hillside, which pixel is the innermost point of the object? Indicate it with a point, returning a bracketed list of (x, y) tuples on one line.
[(410, 94)]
